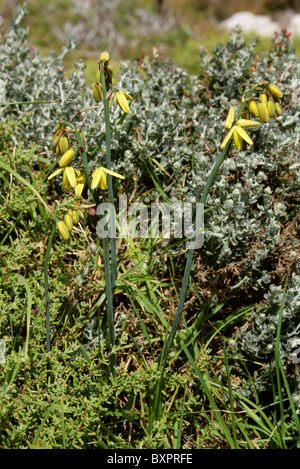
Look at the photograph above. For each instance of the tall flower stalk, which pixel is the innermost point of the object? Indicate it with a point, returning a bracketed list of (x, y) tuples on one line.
[(102, 176), (237, 135)]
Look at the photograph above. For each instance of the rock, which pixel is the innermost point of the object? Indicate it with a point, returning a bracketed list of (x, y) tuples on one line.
[(249, 22)]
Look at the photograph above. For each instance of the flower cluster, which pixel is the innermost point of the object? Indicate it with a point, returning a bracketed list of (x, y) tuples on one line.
[(263, 107), (76, 178), (72, 177), (65, 226), (121, 95)]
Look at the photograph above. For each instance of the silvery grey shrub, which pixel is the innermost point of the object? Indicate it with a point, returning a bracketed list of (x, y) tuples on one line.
[(177, 121)]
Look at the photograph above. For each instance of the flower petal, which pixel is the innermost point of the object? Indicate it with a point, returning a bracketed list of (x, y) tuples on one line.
[(96, 177), (247, 123), (55, 173), (122, 101), (237, 139), (117, 175), (230, 118), (103, 180), (227, 138), (71, 175), (243, 134)]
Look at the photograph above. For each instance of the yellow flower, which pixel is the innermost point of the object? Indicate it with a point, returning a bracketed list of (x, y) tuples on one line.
[(69, 176), (99, 176), (271, 108), (239, 134), (122, 101), (263, 98), (63, 145)]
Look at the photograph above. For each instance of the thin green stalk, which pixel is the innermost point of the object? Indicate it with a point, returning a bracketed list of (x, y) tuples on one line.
[(213, 404), (231, 398), (110, 261), (46, 286), (109, 178), (277, 361), (190, 256)]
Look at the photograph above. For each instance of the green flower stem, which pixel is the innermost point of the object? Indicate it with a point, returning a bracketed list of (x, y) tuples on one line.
[(110, 263), (109, 279), (190, 256), (46, 286), (109, 178)]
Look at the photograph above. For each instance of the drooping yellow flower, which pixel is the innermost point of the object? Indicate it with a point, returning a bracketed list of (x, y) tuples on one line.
[(99, 176), (69, 176), (278, 109), (63, 145), (239, 134), (122, 100)]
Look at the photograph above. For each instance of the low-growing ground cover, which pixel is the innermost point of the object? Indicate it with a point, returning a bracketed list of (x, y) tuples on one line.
[(230, 377)]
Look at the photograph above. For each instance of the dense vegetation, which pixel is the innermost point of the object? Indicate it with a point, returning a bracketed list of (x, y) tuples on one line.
[(231, 378)]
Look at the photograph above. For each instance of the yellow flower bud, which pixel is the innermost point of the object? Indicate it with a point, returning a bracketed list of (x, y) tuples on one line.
[(104, 56), (230, 118), (263, 112), (271, 108), (275, 91), (278, 109), (263, 98), (68, 220), (247, 123), (57, 127), (63, 145), (55, 141), (97, 92), (253, 108), (63, 230), (109, 70), (66, 158), (75, 216)]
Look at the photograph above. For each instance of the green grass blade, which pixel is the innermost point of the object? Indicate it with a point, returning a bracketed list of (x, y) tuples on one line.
[(211, 399)]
